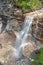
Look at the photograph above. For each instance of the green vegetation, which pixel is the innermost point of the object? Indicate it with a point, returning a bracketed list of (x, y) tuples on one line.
[(27, 5), (41, 2), (38, 59)]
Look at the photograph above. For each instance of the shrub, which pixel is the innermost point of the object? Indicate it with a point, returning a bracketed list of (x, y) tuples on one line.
[(38, 59), (27, 5)]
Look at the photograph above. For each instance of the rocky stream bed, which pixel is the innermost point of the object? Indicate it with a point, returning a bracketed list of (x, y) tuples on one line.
[(8, 37)]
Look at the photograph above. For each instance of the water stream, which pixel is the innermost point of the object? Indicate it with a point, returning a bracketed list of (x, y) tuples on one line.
[(22, 36)]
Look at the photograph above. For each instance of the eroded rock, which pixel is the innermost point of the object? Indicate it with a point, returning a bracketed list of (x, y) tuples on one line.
[(28, 49), (13, 25)]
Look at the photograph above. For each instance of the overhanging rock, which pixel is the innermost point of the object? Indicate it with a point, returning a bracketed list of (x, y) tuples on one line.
[(35, 14)]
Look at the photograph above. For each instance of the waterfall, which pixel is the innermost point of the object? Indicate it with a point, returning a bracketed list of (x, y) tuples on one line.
[(22, 36)]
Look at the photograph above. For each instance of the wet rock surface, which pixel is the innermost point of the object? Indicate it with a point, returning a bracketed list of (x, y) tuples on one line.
[(6, 45), (28, 49), (7, 40), (23, 61), (38, 30)]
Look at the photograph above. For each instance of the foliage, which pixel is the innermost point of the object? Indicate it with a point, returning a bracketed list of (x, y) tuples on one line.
[(26, 4), (38, 59), (41, 2)]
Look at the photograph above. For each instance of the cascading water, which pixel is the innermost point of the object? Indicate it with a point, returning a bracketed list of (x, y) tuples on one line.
[(22, 36)]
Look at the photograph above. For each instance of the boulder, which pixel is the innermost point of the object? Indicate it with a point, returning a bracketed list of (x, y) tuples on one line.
[(13, 25), (28, 49)]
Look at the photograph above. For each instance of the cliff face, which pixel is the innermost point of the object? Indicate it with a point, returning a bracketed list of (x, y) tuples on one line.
[(8, 37), (37, 26), (39, 31)]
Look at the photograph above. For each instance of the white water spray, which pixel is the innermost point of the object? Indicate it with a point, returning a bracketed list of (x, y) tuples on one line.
[(22, 36)]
